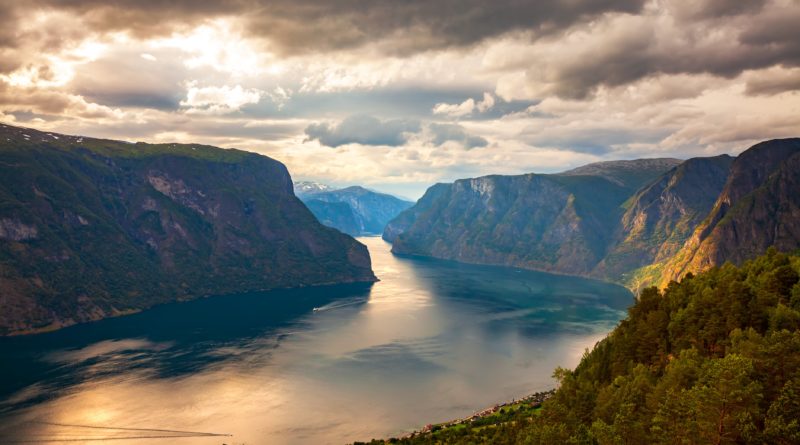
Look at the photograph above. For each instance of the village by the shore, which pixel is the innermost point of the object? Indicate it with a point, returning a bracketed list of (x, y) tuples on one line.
[(535, 400)]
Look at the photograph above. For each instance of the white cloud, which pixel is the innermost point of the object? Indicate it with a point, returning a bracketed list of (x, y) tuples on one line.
[(486, 104), (465, 108), (219, 46), (218, 100), (455, 110)]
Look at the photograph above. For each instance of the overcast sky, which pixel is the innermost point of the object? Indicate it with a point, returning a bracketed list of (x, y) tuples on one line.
[(398, 95)]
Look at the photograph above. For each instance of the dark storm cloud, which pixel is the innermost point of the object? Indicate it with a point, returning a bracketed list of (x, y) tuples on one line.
[(340, 24), (771, 83), (422, 24), (143, 18), (124, 79), (365, 130), (7, 32), (636, 51), (453, 132), (694, 9), (759, 33)]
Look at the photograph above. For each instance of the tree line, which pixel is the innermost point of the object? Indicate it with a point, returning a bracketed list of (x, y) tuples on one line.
[(712, 359)]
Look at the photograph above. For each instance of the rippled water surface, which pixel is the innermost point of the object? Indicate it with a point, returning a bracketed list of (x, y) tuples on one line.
[(433, 340)]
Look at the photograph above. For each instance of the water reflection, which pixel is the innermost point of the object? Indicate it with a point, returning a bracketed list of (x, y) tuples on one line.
[(432, 340)]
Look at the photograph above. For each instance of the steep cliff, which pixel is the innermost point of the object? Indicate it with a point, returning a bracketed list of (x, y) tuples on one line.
[(637, 222), (758, 207), (91, 228), (338, 215), (660, 217), (561, 223)]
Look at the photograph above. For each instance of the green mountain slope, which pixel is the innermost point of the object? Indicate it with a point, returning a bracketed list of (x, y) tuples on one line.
[(91, 228), (758, 207), (660, 218), (712, 359)]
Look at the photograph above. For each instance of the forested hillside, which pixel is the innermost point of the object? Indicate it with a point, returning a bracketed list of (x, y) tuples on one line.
[(714, 359)]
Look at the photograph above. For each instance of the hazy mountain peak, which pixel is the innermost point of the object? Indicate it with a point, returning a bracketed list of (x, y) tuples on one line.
[(371, 209), (311, 187)]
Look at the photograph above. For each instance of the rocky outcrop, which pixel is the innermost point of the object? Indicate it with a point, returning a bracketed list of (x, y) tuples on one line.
[(758, 207), (660, 218), (92, 228)]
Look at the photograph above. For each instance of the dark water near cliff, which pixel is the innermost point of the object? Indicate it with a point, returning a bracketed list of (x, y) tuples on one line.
[(432, 341)]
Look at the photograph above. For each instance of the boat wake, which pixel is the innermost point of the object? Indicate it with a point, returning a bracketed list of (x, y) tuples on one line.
[(332, 306), (52, 432)]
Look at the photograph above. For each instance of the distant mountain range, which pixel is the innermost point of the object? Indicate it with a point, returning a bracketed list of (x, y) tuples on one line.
[(91, 228), (353, 210), (303, 188), (637, 222)]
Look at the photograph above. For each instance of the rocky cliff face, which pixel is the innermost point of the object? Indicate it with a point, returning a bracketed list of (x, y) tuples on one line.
[(91, 228), (370, 210), (660, 217), (560, 223), (758, 207), (338, 215), (636, 222)]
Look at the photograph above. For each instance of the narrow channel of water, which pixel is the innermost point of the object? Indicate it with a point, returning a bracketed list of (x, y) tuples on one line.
[(433, 340)]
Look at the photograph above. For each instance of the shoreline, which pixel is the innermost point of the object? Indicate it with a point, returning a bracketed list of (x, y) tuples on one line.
[(535, 400), (64, 324)]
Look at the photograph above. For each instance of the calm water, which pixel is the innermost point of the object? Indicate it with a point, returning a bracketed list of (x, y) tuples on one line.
[(431, 341)]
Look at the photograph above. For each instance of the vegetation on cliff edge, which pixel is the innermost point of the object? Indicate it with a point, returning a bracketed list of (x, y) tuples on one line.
[(712, 359)]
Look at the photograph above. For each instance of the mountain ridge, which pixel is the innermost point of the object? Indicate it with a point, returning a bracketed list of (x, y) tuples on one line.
[(91, 228), (557, 223), (758, 207), (632, 222)]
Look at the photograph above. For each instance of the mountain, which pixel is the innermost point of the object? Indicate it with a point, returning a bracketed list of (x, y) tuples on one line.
[(758, 207), (91, 228), (371, 210), (560, 223), (712, 359), (302, 188), (635, 222), (338, 215), (659, 219)]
